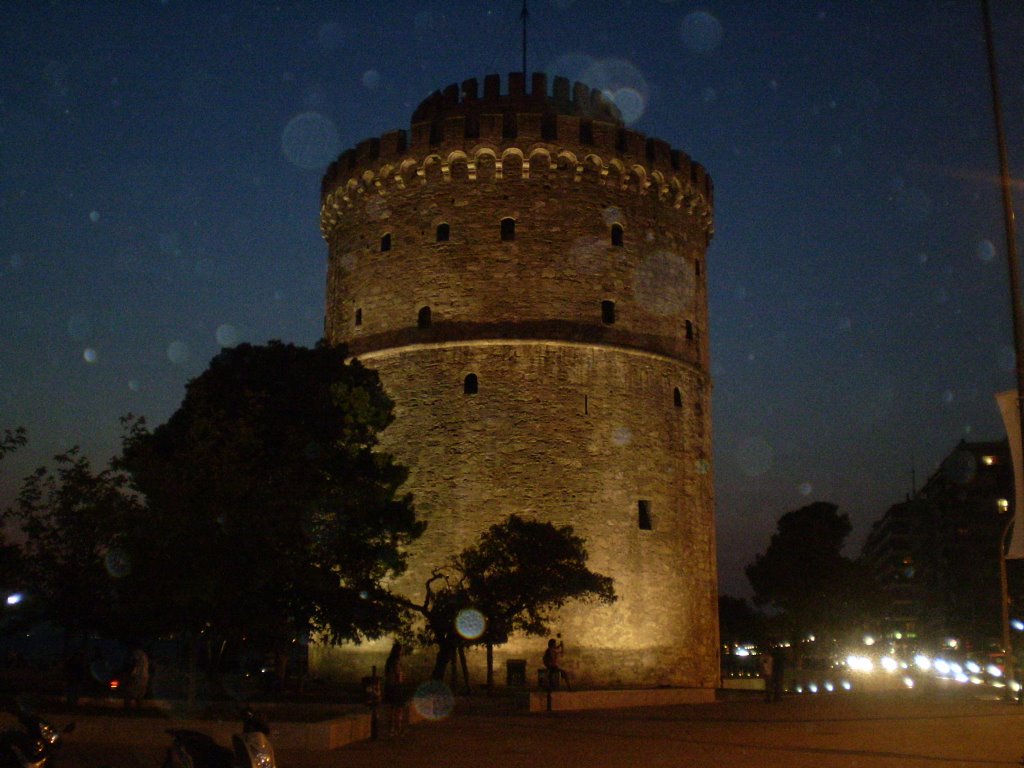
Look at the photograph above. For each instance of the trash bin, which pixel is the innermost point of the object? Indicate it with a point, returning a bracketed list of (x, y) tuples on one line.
[(515, 673)]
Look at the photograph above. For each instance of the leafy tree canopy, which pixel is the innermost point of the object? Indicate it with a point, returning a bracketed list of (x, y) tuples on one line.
[(11, 440), (69, 561), (518, 574), (269, 511), (803, 576)]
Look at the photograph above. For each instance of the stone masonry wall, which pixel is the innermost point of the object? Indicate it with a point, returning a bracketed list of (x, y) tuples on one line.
[(586, 335)]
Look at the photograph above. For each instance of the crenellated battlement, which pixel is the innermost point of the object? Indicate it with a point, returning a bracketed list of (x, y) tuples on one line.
[(460, 119), (564, 99)]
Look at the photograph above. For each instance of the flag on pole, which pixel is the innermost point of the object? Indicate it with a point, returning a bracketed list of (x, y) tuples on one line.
[(1009, 407)]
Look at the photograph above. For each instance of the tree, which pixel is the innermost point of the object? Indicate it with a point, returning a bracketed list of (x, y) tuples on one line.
[(738, 622), (12, 440), (71, 520), (270, 513), (804, 580), (517, 575)]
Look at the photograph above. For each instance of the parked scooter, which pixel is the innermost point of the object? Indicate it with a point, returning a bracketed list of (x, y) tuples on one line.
[(33, 744), (250, 749)]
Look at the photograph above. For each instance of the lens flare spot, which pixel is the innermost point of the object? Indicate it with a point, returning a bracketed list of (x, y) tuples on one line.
[(985, 251), (701, 32), (621, 83), (629, 102), (90, 355), (118, 563), (622, 436), (470, 623), (664, 283), (227, 335), (177, 352), (310, 141), (433, 700), (371, 79)]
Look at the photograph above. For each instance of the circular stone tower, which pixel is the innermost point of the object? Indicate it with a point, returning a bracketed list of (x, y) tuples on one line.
[(528, 277)]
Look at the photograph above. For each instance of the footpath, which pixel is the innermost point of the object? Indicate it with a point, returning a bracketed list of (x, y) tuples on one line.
[(900, 729)]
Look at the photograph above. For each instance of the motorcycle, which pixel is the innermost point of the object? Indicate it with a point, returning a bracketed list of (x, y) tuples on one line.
[(33, 744), (250, 749)]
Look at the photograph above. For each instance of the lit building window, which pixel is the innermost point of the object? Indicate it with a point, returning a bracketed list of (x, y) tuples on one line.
[(988, 461), (1003, 505)]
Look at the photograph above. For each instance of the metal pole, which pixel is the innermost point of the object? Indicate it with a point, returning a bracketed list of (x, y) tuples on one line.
[(1015, 307), (524, 16), (1008, 217), (1004, 593)]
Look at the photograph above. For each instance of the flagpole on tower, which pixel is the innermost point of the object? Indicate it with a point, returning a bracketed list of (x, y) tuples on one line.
[(524, 15)]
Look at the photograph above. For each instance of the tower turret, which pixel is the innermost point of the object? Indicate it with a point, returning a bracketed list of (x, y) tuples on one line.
[(528, 277)]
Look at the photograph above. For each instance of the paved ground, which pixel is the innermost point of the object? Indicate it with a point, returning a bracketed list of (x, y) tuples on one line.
[(896, 730)]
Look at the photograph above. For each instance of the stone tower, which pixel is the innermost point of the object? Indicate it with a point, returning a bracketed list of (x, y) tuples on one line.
[(528, 277)]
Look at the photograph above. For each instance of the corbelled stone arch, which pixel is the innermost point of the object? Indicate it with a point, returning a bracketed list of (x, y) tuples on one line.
[(594, 168), (678, 191), (486, 162), (408, 170), (540, 162), (433, 168), (513, 164), (638, 178), (459, 165)]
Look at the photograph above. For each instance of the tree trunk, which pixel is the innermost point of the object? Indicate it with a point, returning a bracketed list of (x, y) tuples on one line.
[(465, 668), (490, 667), (193, 652), (444, 655), (280, 669)]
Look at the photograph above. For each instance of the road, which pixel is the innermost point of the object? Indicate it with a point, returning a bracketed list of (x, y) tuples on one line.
[(895, 730)]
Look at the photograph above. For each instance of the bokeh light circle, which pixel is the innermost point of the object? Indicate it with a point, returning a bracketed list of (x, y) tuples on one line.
[(470, 623), (310, 141), (371, 79), (622, 84), (986, 251), (433, 700), (664, 283), (177, 352), (622, 436), (227, 335), (117, 562), (90, 355), (702, 33)]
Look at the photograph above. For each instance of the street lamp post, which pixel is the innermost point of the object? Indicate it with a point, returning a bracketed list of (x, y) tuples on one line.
[(1015, 307), (1004, 592)]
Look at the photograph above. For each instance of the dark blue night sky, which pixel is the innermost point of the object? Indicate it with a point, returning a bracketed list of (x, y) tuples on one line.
[(159, 181)]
